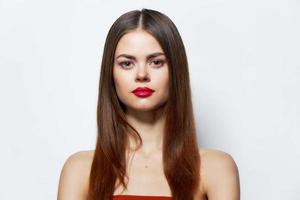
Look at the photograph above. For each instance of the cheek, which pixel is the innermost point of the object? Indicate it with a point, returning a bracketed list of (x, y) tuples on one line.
[(122, 81), (117, 80), (160, 82), (161, 79)]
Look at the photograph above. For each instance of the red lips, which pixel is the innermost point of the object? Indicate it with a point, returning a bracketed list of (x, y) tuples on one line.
[(142, 91)]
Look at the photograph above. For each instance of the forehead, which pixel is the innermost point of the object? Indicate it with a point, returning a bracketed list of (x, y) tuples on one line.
[(138, 43)]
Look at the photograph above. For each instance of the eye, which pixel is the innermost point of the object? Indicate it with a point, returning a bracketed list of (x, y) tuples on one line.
[(158, 63), (125, 64)]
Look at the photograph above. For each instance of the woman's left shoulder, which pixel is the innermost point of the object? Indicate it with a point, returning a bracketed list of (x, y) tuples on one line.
[(215, 156), (219, 173)]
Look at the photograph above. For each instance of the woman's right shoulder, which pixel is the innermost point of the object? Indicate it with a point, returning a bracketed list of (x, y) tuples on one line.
[(81, 161), (81, 157), (74, 176)]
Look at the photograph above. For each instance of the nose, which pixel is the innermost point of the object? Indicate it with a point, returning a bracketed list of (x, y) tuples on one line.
[(142, 74)]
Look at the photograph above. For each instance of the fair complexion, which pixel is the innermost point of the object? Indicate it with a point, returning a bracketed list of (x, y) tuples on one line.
[(141, 62)]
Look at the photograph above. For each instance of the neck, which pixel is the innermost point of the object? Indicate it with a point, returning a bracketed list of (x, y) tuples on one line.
[(150, 125)]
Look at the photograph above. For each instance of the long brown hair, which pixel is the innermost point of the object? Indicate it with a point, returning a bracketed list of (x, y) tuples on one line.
[(181, 159)]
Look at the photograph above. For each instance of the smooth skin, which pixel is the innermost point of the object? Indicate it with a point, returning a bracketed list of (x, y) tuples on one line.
[(140, 61)]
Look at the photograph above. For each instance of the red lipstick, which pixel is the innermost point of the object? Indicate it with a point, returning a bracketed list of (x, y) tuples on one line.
[(142, 92)]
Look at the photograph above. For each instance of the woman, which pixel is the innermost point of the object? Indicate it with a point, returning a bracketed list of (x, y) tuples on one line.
[(146, 146)]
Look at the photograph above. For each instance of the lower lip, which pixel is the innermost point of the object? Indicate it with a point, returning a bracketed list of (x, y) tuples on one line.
[(143, 93)]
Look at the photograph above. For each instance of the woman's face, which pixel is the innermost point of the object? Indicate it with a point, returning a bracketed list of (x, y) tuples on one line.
[(140, 62)]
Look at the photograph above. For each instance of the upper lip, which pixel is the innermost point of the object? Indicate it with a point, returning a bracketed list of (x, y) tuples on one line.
[(142, 89)]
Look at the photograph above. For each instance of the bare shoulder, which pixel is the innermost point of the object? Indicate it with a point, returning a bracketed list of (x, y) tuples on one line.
[(219, 174), (74, 177)]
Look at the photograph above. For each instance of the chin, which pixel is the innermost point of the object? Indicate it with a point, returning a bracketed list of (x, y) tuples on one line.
[(142, 108)]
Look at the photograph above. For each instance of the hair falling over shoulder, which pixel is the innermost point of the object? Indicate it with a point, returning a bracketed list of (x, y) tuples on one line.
[(181, 159)]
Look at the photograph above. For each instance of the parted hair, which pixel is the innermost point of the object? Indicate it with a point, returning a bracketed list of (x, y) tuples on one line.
[(181, 159)]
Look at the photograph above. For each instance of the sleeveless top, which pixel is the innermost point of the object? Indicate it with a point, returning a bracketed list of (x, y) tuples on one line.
[(140, 197)]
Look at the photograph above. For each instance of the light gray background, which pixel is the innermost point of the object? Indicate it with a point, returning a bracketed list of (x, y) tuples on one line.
[(244, 67)]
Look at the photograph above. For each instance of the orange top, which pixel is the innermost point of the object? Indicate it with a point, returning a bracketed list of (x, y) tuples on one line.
[(140, 197)]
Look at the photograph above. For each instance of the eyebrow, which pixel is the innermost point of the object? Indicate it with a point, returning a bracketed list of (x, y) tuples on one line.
[(133, 58)]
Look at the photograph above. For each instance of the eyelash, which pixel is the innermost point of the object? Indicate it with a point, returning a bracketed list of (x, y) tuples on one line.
[(161, 62)]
